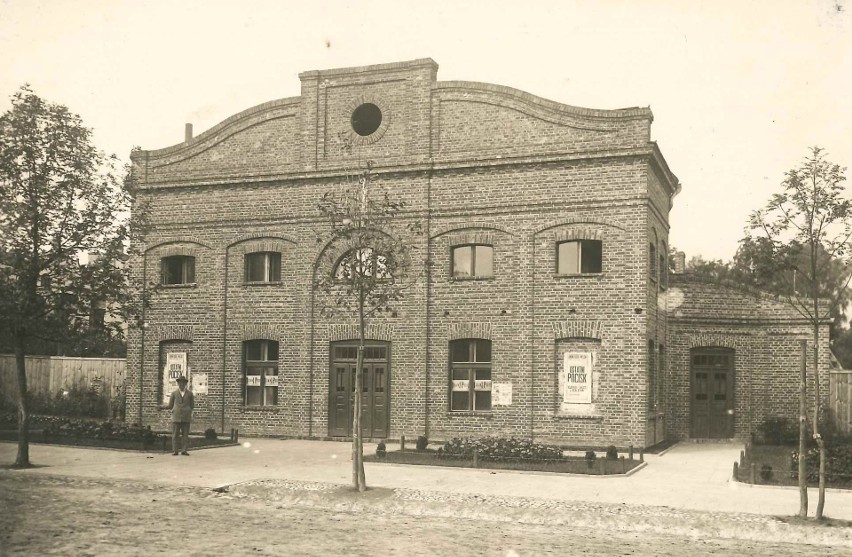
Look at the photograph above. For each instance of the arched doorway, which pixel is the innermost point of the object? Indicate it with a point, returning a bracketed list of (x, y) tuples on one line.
[(375, 389), (712, 393)]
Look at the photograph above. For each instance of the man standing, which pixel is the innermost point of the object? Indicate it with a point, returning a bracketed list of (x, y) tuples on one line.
[(181, 404)]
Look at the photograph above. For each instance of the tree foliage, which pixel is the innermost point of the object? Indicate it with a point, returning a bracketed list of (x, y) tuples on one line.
[(366, 269), (60, 200), (802, 237)]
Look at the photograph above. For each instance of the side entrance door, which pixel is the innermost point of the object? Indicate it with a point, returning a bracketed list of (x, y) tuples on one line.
[(376, 378), (712, 394)]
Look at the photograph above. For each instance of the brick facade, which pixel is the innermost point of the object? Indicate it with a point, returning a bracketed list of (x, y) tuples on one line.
[(763, 334), (475, 164)]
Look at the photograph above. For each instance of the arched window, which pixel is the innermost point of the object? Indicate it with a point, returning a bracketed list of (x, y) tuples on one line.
[(470, 375), (664, 267), (362, 263)]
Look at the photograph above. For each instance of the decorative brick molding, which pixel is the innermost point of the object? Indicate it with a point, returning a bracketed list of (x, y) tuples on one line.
[(710, 340), (172, 332), (586, 328), (384, 106), (178, 246), (471, 228), (586, 225), (583, 233), (261, 242), (586, 118), (265, 331), (469, 330), (349, 331)]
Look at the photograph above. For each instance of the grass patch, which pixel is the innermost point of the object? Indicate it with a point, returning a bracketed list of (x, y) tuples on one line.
[(568, 465)]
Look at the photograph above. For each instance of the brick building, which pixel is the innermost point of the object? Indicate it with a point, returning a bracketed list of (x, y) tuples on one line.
[(542, 314)]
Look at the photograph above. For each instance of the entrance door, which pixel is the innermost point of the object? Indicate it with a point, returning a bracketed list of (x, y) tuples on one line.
[(375, 395), (712, 394)]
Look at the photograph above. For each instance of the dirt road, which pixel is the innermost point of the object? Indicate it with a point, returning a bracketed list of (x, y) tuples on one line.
[(49, 515)]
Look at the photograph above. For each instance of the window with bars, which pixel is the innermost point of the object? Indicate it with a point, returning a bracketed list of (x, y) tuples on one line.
[(177, 269), (579, 257), (473, 260), (470, 375), (263, 266), (260, 359)]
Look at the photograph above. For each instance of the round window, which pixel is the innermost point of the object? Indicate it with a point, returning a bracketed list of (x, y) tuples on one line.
[(366, 119)]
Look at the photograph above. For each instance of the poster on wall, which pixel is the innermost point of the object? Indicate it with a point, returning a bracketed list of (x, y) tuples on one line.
[(174, 368), (199, 383), (501, 394), (577, 378)]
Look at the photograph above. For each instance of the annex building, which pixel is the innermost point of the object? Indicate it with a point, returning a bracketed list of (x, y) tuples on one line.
[(547, 310)]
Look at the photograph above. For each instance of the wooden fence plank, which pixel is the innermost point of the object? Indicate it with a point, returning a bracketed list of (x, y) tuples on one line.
[(50, 374)]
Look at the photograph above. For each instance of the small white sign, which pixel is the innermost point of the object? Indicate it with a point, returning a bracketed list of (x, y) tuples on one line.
[(482, 385), (253, 380), (501, 394), (199, 383), (271, 380), (460, 384)]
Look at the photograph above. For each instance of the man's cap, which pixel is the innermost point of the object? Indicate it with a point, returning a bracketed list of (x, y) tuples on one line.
[(182, 379)]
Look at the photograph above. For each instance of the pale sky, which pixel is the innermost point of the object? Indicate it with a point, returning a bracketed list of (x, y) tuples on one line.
[(740, 90)]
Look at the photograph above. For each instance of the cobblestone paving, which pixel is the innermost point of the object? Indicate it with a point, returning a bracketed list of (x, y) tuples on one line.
[(53, 515)]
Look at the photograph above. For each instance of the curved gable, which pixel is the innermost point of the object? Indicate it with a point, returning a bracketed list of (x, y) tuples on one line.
[(260, 140), (480, 117)]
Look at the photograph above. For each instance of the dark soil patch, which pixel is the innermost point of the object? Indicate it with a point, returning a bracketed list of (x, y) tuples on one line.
[(567, 466), (161, 444)]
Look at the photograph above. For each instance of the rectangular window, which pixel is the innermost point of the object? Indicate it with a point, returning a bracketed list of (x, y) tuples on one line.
[(473, 261), (261, 372), (263, 266), (178, 269), (470, 375), (579, 257)]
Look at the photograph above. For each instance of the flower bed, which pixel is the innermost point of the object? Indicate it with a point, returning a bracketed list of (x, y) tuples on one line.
[(778, 465), (92, 433), (507, 454)]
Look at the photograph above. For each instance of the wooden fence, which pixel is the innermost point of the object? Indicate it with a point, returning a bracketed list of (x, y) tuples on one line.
[(840, 398), (49, 374)]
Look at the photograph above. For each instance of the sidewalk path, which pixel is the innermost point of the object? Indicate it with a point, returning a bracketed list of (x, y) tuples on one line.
[(689, 476)]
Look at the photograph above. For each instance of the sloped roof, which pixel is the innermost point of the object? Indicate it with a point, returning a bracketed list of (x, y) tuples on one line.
[(690, 297)]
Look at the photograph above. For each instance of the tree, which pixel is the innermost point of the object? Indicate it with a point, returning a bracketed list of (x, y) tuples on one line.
[(60, 198), (805, 230), (374, 272)]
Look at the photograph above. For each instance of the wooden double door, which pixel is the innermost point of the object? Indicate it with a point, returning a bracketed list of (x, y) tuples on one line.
[(375, 418), (712, 394)]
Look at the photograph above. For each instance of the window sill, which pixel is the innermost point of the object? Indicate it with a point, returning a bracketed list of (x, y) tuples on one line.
[(465, 279), (263, 283), (471, 413), (560, 415), (577, 275), (181, 285), (258, 408)]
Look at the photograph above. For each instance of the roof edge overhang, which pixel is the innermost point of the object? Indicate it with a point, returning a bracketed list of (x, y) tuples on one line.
[(663, 169)]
